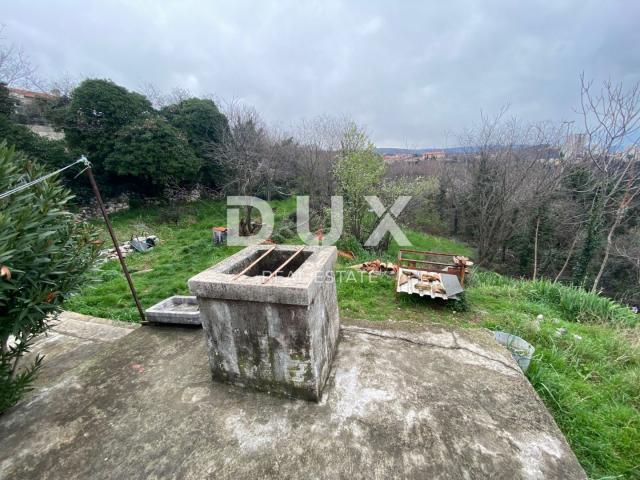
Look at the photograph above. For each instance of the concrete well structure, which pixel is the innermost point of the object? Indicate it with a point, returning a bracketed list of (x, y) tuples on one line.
[(277, 335)]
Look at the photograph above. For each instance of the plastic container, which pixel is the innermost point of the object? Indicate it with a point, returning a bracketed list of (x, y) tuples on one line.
[(521, 350)]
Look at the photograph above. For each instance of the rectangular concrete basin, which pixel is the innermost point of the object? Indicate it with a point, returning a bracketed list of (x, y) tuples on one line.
[(274, 334), (179, 309)]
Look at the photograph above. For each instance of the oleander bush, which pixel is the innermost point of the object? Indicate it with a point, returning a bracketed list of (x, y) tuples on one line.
[(45, 253)]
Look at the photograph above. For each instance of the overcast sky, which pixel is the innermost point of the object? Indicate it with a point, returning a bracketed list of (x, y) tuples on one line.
[(413, 72)]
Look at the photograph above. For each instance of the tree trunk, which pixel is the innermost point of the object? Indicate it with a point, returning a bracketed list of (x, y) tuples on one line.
[(566, 262), (455, 220), (605, 259), (616, 223), (591, 243), (383, 246), (245, 223), (535, 250)]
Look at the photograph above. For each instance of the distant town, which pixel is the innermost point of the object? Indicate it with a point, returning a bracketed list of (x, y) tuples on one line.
[(412, 155)]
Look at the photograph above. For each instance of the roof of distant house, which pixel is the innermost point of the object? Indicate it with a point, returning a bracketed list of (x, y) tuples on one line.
[(30, 94)]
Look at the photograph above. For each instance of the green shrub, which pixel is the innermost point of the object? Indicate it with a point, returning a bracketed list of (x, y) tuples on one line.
[(173, 214), (284, 231), (44, 254), (154, 152), (351, 244), (205, 127), (200, 120), (49, 152), (7, 102), (97, 110), (579, 304), (358, 171)]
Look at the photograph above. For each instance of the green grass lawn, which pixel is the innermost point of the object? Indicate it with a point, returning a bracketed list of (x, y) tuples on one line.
[(589, 378)]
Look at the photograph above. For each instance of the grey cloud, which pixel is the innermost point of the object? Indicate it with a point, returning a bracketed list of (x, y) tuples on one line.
[(410, 71)]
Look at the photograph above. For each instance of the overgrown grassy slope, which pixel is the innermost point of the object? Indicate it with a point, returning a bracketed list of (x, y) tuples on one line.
[(589, 377)]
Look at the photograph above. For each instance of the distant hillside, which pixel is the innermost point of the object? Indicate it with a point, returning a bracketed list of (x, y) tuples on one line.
[(417, 151)]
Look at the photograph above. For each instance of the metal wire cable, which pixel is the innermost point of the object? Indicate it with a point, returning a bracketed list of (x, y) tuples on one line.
[(24, 186)]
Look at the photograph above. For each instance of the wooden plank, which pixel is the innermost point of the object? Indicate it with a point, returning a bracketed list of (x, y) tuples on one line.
[(252, 264), (284, 264), (428, 262)]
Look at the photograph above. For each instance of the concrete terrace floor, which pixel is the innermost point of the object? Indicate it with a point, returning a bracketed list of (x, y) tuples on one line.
[(402, 401)]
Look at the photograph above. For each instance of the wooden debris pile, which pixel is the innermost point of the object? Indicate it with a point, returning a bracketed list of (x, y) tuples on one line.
[(377, 266), (463, 262), (348, 254)]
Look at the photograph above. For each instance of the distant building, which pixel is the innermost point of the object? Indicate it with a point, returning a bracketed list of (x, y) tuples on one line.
[(27, 97), (434, 155), (30, 108), (415, 157), (575, 146)]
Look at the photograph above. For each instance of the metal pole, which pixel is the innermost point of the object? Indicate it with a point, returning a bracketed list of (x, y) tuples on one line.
[(96, 192), (282, 265)]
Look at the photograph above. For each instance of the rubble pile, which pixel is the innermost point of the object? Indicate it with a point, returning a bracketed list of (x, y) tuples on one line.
[(119, 204), (376, 266), (136, 244)]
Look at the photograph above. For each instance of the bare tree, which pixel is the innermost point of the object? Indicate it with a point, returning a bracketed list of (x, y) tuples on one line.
[(246, 154), (572, 248), (611, 119), (319, 140), (64, 85), (280, 168), (15, 65), (159, 98), (510, 169), (627, 248)]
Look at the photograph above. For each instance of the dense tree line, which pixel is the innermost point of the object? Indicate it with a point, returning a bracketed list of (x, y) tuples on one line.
[(132, 146), (530, 205), (135, 147), (537, 200)]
